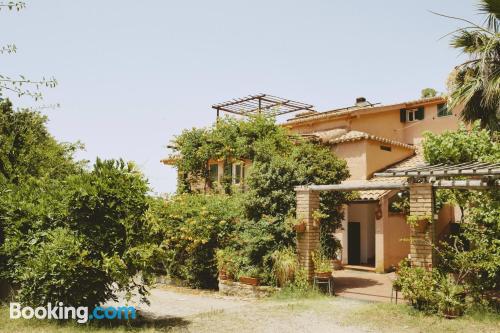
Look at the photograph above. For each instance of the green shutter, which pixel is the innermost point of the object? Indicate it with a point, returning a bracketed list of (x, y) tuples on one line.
[(402, 115), (420, 113)]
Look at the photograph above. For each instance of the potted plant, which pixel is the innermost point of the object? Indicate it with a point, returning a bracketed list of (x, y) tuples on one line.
[(226, 263), (450, 298), (322, 265), (300, 227), (419, 222), (250, 276)]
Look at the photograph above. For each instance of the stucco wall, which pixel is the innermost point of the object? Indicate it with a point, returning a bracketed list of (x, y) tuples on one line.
[(355, 155), (377, 159), (431, 122), (396, 247)]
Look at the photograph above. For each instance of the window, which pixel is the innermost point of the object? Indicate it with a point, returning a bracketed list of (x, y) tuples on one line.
[(213, 172), (386, 148), (238, 173), (443, 110), (414, 114)]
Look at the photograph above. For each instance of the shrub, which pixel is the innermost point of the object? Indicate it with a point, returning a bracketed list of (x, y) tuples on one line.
[(417, 286), (321, 263), (285, 265), (62, 270), (191, 227), (101, 216)]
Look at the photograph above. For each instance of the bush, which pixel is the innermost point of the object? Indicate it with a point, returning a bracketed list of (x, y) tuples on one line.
[(285, 266), (62, 270), (191, 228), (89, 232)]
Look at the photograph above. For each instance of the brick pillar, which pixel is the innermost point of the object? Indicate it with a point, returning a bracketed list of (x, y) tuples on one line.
[(308, 241), (422, 204)]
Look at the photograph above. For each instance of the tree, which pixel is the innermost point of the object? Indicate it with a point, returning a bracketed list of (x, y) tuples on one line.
[(474, 255), (428, 92), (28, 150), (475, 84)]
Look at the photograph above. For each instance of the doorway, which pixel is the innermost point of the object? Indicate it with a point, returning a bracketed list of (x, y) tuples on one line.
[(354, 243)]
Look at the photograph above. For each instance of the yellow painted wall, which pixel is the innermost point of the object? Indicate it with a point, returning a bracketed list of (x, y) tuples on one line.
[(354, 153), (378, 159)]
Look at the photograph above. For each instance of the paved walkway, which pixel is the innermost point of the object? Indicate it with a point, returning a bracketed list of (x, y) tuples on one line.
[(367, 286)]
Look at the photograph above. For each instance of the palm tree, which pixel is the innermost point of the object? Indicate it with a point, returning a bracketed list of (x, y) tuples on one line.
[(475, 84)]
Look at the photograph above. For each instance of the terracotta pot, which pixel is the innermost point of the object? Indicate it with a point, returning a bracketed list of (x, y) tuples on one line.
[(422, 225), (249, 280), (324, 275), (300, 228)]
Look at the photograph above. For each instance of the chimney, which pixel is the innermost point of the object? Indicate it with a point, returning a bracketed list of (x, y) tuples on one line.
[(361, 101)]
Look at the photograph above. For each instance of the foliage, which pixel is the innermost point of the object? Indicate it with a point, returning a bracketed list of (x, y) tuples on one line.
[(28, 150), (285, 265), (227, 139), (428, 92), (101, 215), (322, 263), (472, 256), (280, 162), (191, 228), (464, 145), (475, 84), (417, 286)]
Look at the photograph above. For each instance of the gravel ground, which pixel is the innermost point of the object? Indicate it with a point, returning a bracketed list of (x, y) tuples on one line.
[(184, 310)]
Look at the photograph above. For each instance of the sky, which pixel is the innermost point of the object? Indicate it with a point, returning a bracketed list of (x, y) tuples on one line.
[(133, 74)]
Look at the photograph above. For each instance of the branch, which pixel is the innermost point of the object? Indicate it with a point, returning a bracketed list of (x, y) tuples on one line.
[(17, 5), (9, 48), (463, 20)]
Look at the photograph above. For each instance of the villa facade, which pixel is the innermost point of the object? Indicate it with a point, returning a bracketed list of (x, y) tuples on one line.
[(371, 138)]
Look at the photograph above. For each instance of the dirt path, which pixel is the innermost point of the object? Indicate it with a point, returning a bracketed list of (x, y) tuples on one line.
[(182, 310)]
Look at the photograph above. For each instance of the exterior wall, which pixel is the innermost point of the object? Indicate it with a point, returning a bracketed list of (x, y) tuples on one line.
[(354, 153), (364, 213), (397, 240), (385, 124), (431, 122), (378, 159)]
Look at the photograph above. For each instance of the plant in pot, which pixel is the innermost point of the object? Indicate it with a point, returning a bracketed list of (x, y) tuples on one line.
[(450, 298), (322, 265), (419, 222), (226, 263), (250, 275)]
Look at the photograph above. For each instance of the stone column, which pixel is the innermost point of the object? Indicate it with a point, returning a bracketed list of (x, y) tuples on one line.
[(422, 238), (308, 241)]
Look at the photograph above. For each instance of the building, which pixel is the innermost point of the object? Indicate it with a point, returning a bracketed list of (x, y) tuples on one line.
[(371, 138)]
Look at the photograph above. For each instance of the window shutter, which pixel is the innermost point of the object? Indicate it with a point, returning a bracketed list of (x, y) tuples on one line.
[(420, 113), (402, 115)]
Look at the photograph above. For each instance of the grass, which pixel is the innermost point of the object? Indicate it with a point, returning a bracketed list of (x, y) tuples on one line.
[(283, 313), (394, 318)]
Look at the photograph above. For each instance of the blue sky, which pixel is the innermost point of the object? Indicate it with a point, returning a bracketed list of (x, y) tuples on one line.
[(132, 74)]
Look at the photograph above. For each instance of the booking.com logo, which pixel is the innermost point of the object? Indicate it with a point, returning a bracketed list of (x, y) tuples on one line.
[(81, 313)]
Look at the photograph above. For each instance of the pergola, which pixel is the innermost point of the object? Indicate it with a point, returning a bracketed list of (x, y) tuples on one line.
[(261, 103), (420, 181)]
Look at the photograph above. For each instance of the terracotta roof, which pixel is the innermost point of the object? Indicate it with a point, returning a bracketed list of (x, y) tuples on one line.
[(170, 160), (362, 109), (340, 135)]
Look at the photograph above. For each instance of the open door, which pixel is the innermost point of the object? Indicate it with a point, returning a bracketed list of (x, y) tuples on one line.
[(353, 243)]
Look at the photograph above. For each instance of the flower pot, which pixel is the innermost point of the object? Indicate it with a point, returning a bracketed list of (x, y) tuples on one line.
[(452, 313), (324, 275), (422, 225), (249, 280), (300, 228)]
